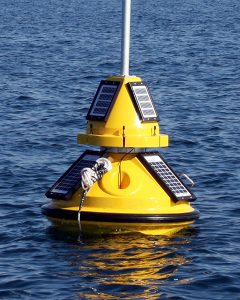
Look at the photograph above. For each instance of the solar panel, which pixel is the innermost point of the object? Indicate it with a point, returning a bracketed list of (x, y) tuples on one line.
[(103, 100), (70, 181), (166, 177), (143, 101)]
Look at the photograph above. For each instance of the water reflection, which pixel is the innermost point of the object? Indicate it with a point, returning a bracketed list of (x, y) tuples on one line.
[(131, 266)]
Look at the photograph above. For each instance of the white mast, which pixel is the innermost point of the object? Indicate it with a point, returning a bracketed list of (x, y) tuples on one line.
[(126, 17)]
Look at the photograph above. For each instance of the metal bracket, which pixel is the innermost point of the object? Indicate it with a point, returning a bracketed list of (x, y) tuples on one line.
[(190, 182)]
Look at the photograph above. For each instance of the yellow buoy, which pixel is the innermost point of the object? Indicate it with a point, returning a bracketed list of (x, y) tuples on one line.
[(126, 185)]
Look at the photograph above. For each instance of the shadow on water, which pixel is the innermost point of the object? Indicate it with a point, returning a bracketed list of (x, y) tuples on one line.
[(116, 266)]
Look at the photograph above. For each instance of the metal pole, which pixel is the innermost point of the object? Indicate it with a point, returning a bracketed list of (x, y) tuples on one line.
[(126, 17)]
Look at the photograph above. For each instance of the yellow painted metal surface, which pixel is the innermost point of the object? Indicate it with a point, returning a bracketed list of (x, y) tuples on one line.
[(130, 188), (126, 189), (122, 127)]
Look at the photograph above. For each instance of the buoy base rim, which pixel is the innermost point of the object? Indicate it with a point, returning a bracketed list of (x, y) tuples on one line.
[(72, 215)]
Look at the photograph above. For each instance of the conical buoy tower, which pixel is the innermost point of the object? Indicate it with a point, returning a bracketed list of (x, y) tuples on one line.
[(125, 185)]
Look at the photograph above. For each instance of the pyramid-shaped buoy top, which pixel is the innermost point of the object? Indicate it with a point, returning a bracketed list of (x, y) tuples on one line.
[(123, 115)]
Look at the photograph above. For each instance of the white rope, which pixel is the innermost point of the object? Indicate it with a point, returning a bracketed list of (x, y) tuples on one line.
[(89, 176), (105, 163)]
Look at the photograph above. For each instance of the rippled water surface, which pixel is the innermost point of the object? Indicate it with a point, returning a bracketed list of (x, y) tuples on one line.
[(53, 55)]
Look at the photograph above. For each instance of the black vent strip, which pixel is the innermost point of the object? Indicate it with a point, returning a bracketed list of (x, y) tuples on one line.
[(166, 177), (70, 181), (143, 101), (103, 100)]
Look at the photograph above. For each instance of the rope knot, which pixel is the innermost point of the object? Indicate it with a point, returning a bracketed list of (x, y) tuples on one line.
[(91, 175)]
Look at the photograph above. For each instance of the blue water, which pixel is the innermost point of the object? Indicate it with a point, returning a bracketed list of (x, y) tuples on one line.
[(53, 55)]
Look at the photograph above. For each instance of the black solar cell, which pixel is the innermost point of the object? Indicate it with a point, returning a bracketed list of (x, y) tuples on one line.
[(70, 181), (103, 100), (143, 101), (165, 175)]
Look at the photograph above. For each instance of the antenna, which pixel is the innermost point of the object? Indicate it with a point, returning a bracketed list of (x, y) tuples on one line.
[(126, 17)]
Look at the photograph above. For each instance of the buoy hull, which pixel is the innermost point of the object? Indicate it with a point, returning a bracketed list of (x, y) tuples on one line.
[(113, 223), (140, 192)]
